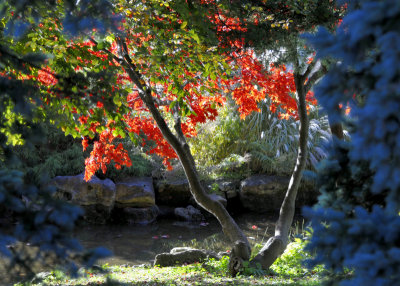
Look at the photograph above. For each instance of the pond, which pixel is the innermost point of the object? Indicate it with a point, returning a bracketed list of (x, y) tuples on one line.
[(139, 244)]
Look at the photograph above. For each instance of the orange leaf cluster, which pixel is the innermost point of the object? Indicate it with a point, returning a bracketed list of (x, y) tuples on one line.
[(103, 153), (253, 83), (46, 77), (147, 127)]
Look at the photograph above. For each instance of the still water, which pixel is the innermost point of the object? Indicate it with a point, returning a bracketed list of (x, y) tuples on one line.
[(140, 244)]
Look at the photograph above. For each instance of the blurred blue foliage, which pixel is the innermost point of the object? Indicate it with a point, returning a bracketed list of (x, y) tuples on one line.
[(43, 230), (357, 223), (79, 16)]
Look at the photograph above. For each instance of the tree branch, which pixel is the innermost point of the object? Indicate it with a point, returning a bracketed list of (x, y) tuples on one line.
[(315, 76), (309, 69)]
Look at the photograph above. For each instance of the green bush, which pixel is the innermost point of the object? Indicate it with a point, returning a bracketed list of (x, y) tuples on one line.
[(217, 140), (292, 261), (57, 155), (271, 141)]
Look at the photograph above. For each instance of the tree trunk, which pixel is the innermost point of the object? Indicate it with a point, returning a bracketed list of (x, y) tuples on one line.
[(276, 245), (241, 250), (179, 144)]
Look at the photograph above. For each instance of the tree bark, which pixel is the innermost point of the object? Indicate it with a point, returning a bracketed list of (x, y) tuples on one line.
[(180, 146), (276, 245)]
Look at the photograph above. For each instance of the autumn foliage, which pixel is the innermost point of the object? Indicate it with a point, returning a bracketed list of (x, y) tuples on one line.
[(183, 78)]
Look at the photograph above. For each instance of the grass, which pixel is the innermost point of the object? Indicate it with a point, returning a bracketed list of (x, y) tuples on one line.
[(208, 273), (287, 270)]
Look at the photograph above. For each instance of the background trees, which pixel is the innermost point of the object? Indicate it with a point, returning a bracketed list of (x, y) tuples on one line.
[(357, 222)]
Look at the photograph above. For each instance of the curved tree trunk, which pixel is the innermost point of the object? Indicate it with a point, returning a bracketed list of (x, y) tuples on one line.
[(179, 144), (276, 245)]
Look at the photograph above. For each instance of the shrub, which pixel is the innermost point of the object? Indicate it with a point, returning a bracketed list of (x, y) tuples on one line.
[(271, 141)]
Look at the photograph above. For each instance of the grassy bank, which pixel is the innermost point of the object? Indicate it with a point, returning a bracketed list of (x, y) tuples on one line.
[(287, 270)]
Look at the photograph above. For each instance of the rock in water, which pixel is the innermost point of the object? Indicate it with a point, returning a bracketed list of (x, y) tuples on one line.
[(189, 213), (135, 192)]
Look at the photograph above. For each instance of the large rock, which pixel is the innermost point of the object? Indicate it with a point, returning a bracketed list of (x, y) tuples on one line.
[(135, 192), (183, 255), (263, 193), (130, 215), (96, 197), (174, 193), (189, 213), (230, 188)]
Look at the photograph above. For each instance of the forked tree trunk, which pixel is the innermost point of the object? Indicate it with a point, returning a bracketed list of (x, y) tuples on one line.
[(179, 144), (276, 245), (241, 250)]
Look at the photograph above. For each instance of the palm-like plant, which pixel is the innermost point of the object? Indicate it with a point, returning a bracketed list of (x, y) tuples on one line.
[(276, 139), (272, 141)]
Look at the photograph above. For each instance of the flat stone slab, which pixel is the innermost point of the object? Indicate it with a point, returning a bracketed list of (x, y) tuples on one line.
[(183, 255)]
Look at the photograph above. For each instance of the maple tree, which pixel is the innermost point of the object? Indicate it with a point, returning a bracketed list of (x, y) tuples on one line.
[(204, 77), (155, 80)]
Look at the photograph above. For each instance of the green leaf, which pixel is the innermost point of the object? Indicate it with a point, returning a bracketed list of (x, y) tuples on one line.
[(117, 101), (195, 36), (213, 76), (100, 45), (183, 25)]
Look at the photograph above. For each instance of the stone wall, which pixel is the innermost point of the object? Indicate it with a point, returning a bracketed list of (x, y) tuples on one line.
[(137, 200)]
